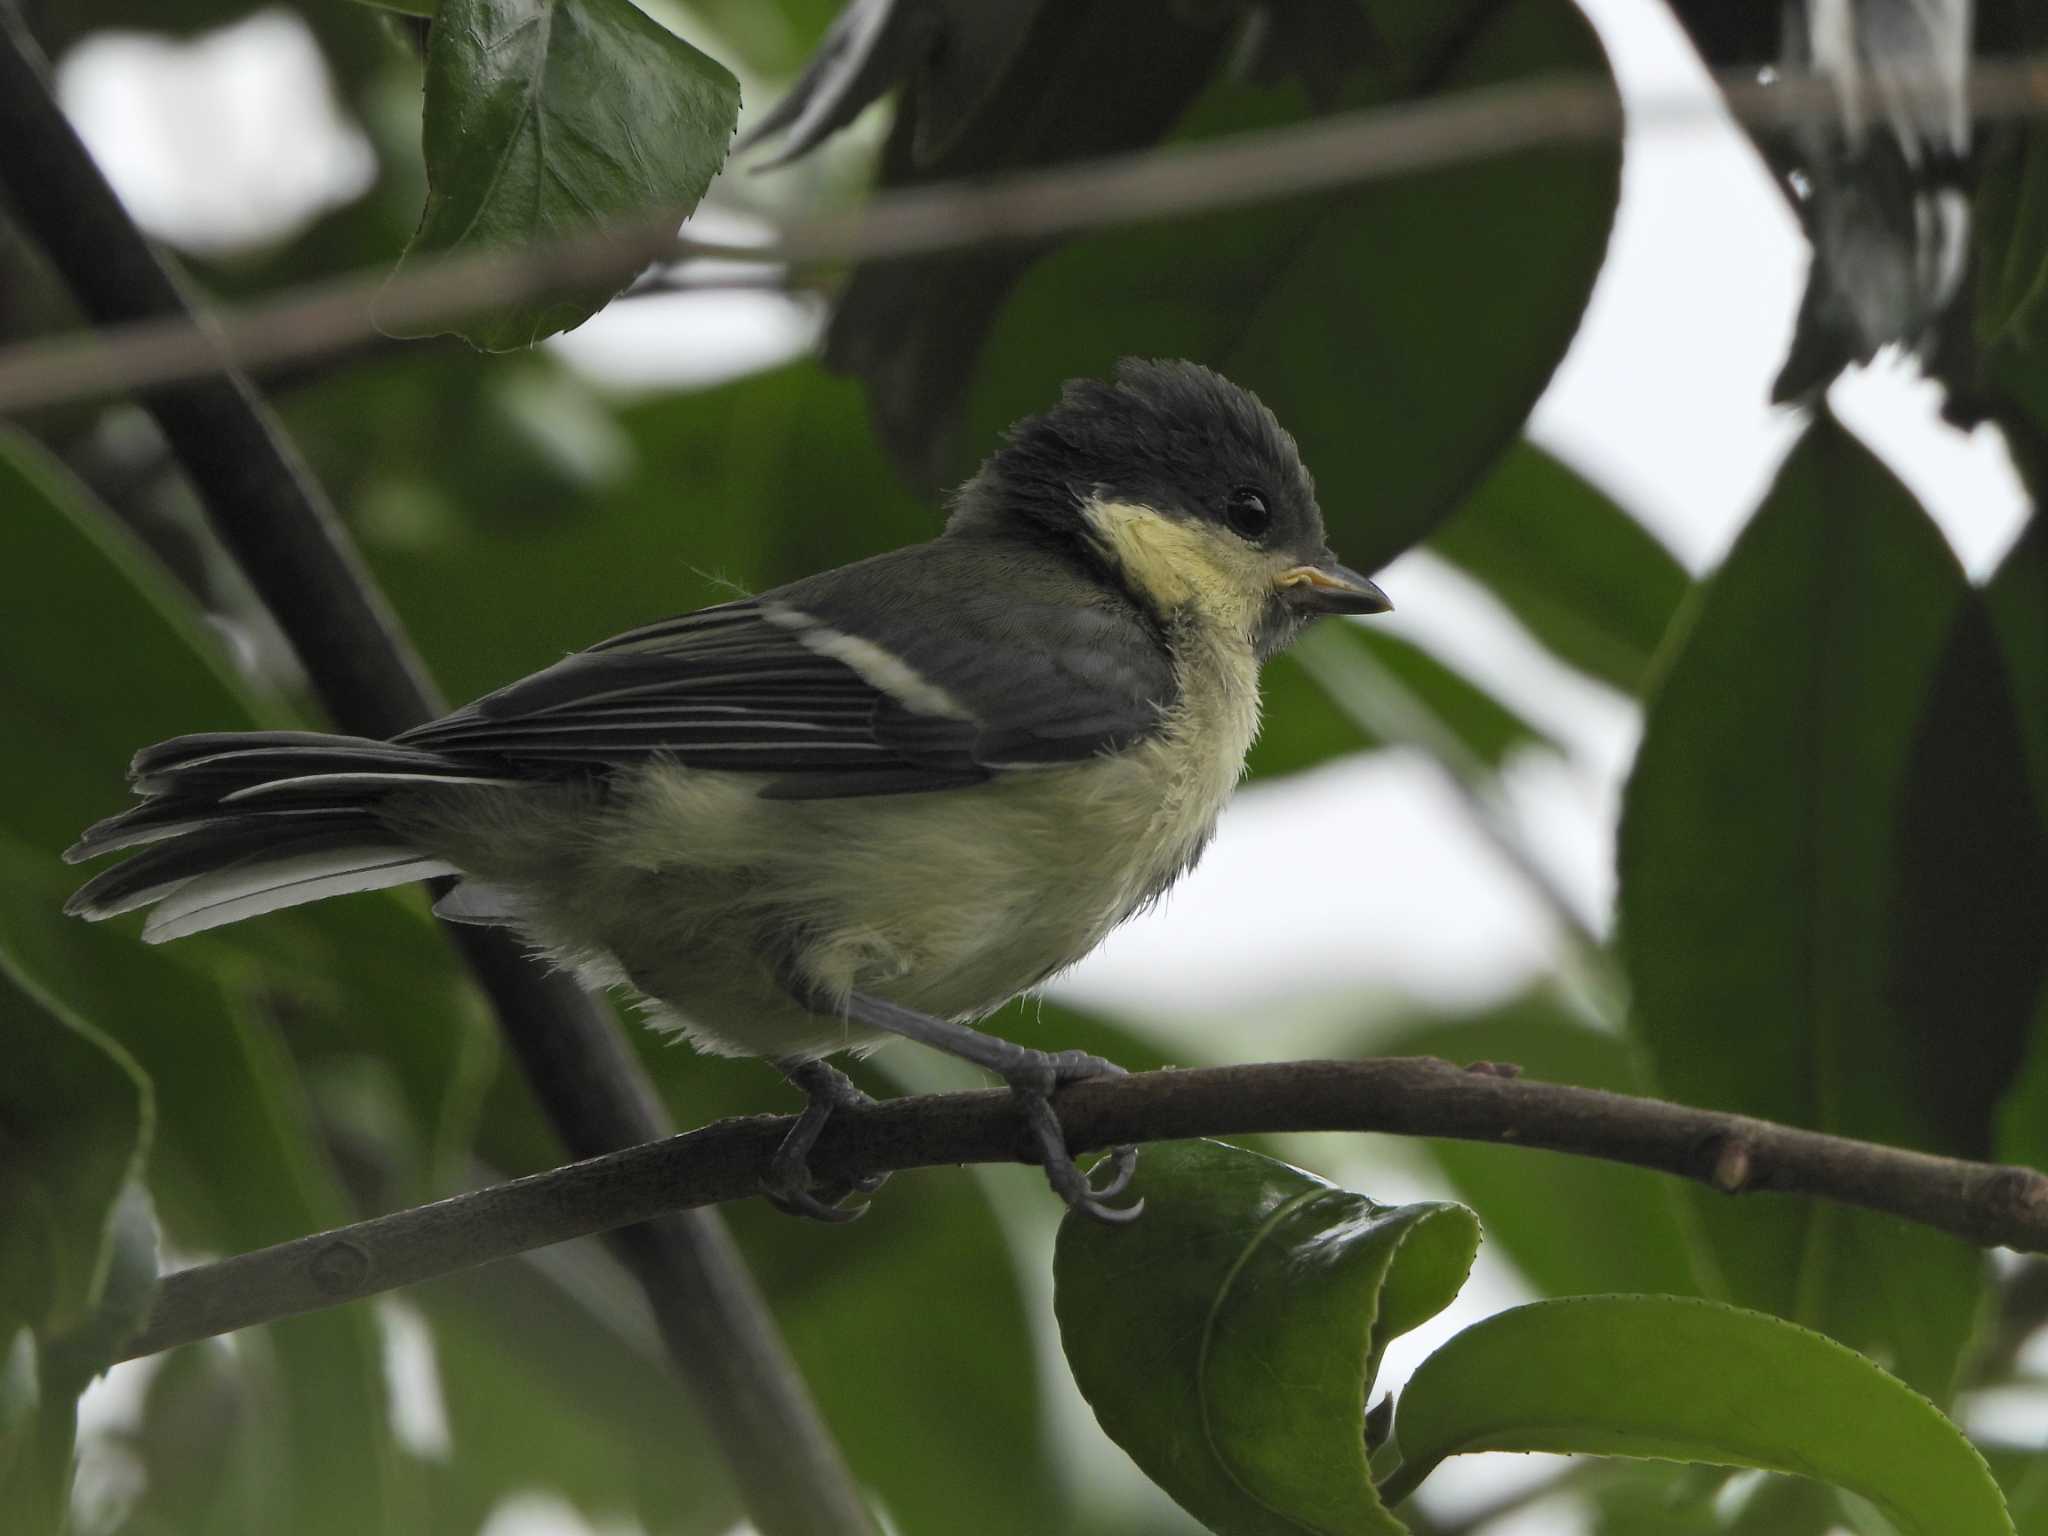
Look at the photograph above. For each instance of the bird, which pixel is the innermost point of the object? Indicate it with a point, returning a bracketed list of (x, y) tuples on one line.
[(877, 802)]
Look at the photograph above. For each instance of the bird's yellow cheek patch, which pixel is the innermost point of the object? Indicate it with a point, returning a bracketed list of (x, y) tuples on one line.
[(1178, 563)]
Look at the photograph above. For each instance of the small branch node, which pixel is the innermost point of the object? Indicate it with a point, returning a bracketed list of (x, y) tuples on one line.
[(341, 1268), (1502, 1069), (1734, 1165)]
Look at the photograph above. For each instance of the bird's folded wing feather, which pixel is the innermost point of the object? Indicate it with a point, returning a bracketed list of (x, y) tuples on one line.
[(882, 677)]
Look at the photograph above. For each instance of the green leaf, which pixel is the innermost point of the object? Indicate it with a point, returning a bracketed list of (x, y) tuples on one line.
[(1300, 728), (236, 1164), (1228, 1340), (1586, 578), (2017, 595), (77, 1244), (552, 118), (709, 498), (120, 658), (1760, 901), (75, 1118), (1400, 351), (1571, 1225), (1687, 1380)]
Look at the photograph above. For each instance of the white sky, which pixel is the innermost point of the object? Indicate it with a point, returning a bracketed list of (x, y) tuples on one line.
[(1364, 876)]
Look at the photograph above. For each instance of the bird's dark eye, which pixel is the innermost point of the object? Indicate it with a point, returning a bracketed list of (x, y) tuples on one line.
[(1247, 514)]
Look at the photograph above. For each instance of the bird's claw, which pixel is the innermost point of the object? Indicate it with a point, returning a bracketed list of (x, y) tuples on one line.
[(788, 1184), (1033, 1085)]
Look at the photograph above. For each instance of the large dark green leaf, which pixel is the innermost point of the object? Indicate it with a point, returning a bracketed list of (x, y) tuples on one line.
[(1687, 1380), (551, 118), (1402, 352), (1572, 1225), (1228, 1340), (1760, 904), (1589, 580)]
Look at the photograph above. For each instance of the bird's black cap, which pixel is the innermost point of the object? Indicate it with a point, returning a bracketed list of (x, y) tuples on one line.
[(1171, 435)]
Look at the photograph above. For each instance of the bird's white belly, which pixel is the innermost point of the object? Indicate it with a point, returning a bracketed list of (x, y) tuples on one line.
[(698, 891)]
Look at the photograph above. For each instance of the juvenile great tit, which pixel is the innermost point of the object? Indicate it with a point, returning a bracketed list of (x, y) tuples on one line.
[(879, 801)]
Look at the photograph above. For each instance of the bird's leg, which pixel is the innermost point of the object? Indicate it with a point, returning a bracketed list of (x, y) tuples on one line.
[(1033, 1077), (787, 1184)]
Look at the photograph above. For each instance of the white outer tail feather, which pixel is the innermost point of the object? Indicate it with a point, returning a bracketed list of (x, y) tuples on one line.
[(267, 883)]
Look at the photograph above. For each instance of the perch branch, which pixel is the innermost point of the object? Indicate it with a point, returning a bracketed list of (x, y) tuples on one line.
[(1333, 152), (1411, 1096)]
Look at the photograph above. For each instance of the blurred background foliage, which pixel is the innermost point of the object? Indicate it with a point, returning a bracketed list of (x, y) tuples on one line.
[(1834, 869)]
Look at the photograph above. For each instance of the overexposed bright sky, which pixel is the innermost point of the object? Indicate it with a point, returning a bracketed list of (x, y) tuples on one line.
[(1365, 876)]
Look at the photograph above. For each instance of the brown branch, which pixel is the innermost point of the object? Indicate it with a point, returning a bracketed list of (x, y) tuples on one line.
[(1410, 1096), (1115, 191), (273, 516)]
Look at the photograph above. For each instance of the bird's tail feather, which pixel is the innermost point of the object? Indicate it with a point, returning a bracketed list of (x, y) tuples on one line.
[(236, 824)]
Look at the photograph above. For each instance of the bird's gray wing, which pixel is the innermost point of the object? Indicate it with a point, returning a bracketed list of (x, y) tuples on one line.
[(928, 669)]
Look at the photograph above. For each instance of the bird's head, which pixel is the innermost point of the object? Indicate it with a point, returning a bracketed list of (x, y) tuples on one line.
[(1180, 487)]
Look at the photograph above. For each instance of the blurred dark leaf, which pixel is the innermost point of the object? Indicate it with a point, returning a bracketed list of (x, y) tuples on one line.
[(2017, 596), (1687, 1380), (550, 118), (235, 1166), (942, 1339), (1402, 353), (95, 595), (954, 51), (2023, 1474), (1085, 83), (1968, 952), (1228, 1340), (77, 1242), (596, 1413), (198, 1441), (75, 1119), (744, 486), (1760, 894), (1586, 578), (1572, 1225), (1300, 728)]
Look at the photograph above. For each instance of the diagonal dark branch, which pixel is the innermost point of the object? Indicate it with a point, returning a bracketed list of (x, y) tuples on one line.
[(274, 518), (1983, 1203)]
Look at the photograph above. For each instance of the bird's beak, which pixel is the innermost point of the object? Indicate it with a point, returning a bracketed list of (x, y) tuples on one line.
[(1331, 588)]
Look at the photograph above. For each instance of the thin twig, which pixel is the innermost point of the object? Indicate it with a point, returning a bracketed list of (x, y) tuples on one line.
[(1338, 151), (269, 511), (1984, 1203)]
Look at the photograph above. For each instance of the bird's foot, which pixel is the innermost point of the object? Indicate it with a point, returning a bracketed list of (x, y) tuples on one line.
[(1034, 1077), (788, 1184)]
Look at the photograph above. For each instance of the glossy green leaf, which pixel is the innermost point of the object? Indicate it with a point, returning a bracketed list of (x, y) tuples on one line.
[(1687, 1380), (1228, 1340), (1571, 1225), (551, 118), (1760, 895), (1587, 579), (1400, 351)]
